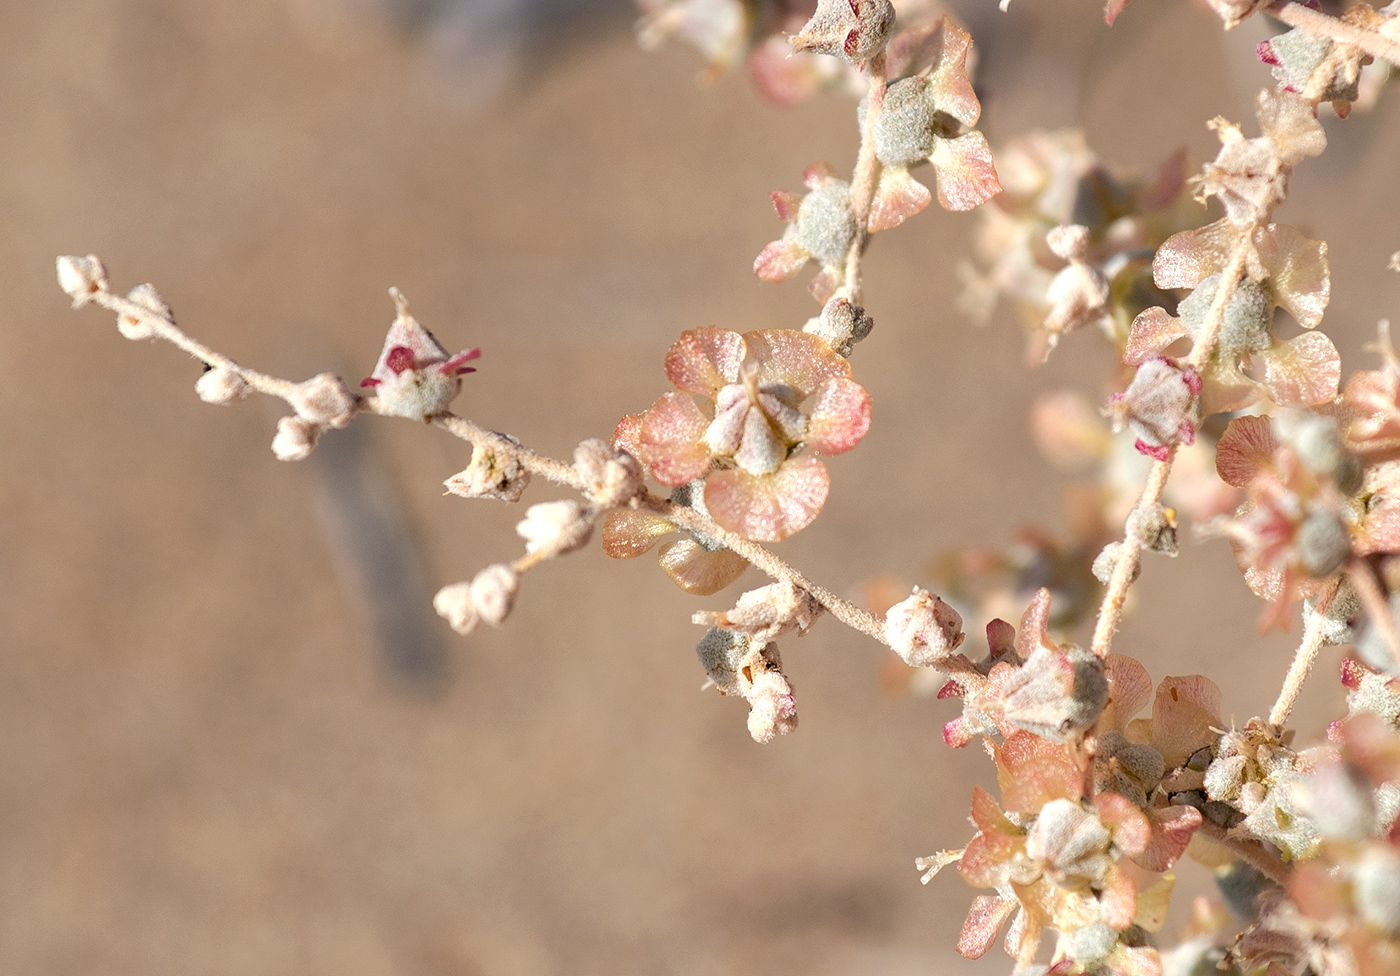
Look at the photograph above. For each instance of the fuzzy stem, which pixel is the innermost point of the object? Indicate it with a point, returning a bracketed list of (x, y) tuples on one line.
[(1316, 22), (865, 179), (1130, 556), (1305, 658), (1373, 601), (553, 470), (1252, 852)]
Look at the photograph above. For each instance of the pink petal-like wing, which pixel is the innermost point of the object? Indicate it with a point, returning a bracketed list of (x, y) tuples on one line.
[(1119, 898), (840, 417), (1183, 714), (672, 440), (703, 360), (984, 919), (966, 173), (1131, 830), (1032, 771), (627, 434), (952, 91), (1129, 690), (1112, 9), (628, 533), (1298, 272), (898, 196), (1152, 331), (696, 570), (799, 359), (824, 284), (780, 260), (771, 507), (1305, 371), (783, 77), (1190, 257), (1246, 448), (1172, 830)]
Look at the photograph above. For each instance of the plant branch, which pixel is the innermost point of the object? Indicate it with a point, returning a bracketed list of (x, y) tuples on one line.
[(1252, 852), (865, 179), (1377, 607), (1306, 656), (1372, 42)]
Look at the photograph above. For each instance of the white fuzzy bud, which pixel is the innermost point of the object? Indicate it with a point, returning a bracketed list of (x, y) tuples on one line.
[(1069, 242), (148, 298), (295, 439), (324, 400), (841, 324), (81, 278), (493, 593), (454, 604), (491, 474), (222, 386), (923, 630), (614, 477), (555, 528)]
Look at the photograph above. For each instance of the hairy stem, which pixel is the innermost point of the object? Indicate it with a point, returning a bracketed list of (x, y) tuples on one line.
[(865, 179), (1316, 22), (1305, 658), (1373, 601), (1252, 852), (1125, 570)]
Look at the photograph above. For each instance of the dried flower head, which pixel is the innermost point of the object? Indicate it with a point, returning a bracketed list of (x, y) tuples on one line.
[(853, 30), (491, 474), (554, 528), (923, 630), (741, 667), (415, 377), (81, 278)]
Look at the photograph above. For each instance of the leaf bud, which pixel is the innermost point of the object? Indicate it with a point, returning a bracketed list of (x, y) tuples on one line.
[(223, 386), (323, 400), (555, 528), (923, 630), (454, 604), (295, 438), (853, 30), (614, 477), (493, 593), (81, 278)]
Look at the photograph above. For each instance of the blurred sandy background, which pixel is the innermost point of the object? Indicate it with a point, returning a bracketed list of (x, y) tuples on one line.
[(218, 756)]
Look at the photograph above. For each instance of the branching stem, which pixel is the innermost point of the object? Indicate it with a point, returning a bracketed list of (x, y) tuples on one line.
[(1316, 22), (865, 179), (1306, 657), (1253, 853)]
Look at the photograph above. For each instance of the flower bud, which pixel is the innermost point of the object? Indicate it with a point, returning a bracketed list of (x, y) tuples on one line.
[(841, 324), (1162, 405), (222, 386), (454, 604), (491, 474), (923, 630), (825, 225), (493, 593), (1107, 560), (555, 528), (148, 298), (81, 278), (324, 400), (614, 477), (1340, 617), (1155, 527), (295, 438), (853, 30), (1323, 542), (1069, 242), (1057, 693)]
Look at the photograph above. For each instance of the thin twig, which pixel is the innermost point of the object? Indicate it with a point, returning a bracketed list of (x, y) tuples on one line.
[(865, 179), (1125, 570), (1253, 853), (1306, 656), (1316, 22), (1373, 601)]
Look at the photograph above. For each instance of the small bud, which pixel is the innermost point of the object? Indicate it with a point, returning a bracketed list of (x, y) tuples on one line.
[(1340, 617), (1323, 542), (323, 400), (491, 474), (907, 125), (1155, 527), (614, 477), (493, 593), (841, 324), (454, 604), (1162, 405), (923, 630), (1107, 560), (853, 30), (767, 613), (825, 224), (295, 438), (555, 528), (1057, 693), (1374, 649), (1089, 944), (415, 377), (1069, 242), (148, 298), (1319, 445), (222, 386), (738, 666), (81, 278)]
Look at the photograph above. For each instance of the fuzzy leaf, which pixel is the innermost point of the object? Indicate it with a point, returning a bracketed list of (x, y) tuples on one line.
[(1153, 330), (801, 360), (703, 360), (1246, 448), (840, 417), (628, 533), (1305, 371), (966, 174), (771, 507), (1032, 771), (1298, 272), (696, 570), (898, 196), (952, 91), (672, 440)]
